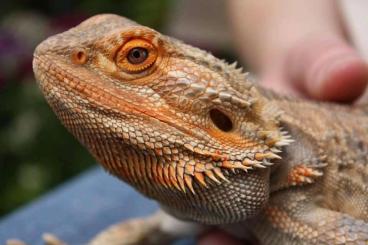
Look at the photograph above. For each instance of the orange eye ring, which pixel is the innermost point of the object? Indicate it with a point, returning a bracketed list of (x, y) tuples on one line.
[(136, 55)]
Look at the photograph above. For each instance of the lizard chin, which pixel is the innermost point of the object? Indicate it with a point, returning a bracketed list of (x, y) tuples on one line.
[(230, 202)]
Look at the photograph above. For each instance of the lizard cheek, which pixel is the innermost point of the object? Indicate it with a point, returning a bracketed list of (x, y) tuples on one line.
[(79, 56)]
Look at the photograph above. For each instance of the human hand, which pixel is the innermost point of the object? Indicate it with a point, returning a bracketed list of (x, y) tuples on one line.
[(299, 47), (216, 237)]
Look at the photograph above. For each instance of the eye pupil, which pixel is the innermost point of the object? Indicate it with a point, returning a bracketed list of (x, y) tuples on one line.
[(221, 120), (137, 55)]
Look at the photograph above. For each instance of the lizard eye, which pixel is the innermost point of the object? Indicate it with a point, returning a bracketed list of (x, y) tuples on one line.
[(221, 120), (136, 55)]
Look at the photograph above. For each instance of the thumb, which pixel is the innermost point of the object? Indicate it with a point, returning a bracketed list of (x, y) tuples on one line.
[(328, 69)]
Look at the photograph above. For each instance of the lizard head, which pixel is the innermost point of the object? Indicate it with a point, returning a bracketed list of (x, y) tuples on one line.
[(178, 124)]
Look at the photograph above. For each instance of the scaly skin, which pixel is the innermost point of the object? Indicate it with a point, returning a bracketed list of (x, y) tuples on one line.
[(205, 141)]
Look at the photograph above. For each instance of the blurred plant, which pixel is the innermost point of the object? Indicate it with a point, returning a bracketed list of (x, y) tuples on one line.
[(36, 152)]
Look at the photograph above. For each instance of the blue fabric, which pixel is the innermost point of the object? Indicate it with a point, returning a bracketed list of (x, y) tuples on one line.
[(78, 210)]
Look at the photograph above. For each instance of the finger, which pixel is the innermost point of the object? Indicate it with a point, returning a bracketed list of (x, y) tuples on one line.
[(218, 238), (327, 69)]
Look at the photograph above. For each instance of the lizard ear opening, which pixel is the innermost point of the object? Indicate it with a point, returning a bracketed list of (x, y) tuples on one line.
[(136, 55), (221, 120)]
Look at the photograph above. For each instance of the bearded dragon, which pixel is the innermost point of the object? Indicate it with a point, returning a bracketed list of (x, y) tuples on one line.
[(204, 140)]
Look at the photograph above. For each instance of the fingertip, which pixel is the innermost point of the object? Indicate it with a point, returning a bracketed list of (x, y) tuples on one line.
[(218, 238), (327, 69), (342, 83)]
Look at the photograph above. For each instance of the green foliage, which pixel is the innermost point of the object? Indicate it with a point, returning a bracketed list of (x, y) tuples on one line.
[(36, 152), (146, 12)]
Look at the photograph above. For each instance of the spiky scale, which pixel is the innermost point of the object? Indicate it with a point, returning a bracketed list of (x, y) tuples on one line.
[(188, 181), (200, 178), (210, 174)]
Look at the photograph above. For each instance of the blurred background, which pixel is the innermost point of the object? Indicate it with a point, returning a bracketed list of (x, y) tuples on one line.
[(36, 152)]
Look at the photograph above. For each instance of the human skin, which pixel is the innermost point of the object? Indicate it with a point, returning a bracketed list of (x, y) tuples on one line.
[(297, 47)]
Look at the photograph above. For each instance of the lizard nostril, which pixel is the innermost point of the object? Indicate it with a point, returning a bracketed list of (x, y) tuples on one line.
[(221, 120), (79, 56)]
